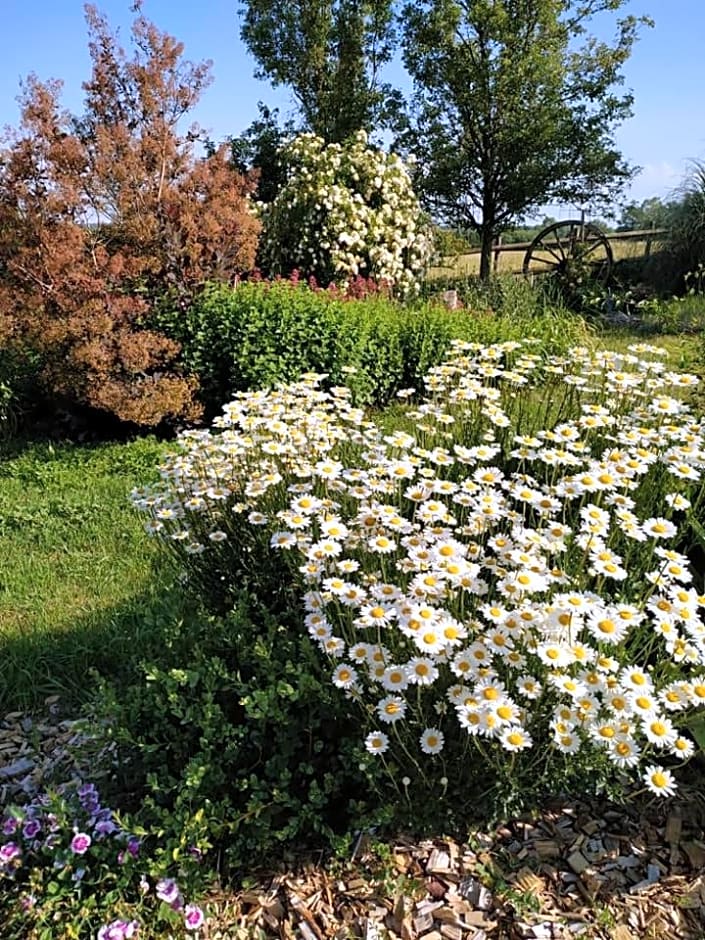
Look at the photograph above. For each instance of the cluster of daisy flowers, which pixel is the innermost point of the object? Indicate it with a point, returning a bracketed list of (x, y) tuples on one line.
[(73, 836), (513, 560)]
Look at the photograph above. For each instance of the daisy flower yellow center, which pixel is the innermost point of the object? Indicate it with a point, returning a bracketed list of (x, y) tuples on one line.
[(515, 738), (429, 638), (606, 626), (490, 694), (377, 612), (658, 779), (505, 712)]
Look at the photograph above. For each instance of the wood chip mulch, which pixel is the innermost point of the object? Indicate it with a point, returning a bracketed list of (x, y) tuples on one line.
[(579, 869)]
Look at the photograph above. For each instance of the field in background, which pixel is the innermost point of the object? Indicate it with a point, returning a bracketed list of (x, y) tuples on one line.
[(507, 259)]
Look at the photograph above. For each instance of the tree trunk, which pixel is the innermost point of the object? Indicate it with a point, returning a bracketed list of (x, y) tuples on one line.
[(486, 244)]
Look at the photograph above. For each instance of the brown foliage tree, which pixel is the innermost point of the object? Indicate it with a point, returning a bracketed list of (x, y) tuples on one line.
[(103, 215)]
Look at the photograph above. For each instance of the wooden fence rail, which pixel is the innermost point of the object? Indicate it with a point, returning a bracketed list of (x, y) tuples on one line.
[(650, 236)]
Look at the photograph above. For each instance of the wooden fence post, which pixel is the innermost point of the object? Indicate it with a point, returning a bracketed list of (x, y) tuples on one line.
[(497, 252)]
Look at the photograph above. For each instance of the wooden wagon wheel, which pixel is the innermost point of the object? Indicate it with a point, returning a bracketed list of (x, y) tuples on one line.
[(570, 250)]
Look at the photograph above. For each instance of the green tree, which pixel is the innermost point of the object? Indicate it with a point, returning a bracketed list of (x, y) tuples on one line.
[(515, 104), (259, 148), (650, 213), (329, 53)]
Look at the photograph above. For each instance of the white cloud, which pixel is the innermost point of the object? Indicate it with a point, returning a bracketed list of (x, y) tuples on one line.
[(657, 179)]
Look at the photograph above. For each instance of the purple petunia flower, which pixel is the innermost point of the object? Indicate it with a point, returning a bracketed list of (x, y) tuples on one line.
[(167, 890), (194, 917), (31, 828), (8, 852), (80, 843), (133, 846), (9, 825), (105, 827), (118, 930)]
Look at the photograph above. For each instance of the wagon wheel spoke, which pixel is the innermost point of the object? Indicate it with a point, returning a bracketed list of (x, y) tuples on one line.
[(560, 247), (559, 259), (597, 243)]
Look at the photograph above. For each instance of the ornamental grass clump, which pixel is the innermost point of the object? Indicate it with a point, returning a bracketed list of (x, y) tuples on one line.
[(345, 210), (501, 587)]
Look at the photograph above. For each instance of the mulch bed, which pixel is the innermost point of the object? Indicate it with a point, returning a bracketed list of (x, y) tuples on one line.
[(579, 869)]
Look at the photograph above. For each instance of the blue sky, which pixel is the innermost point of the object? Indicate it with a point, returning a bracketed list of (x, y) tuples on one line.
[(666, 72)]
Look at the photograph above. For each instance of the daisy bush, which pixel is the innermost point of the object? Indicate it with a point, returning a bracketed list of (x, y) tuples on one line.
[(345, 210), (499, 584)]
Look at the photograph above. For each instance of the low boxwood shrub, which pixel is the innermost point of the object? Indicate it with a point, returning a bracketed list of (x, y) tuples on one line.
[(233, 743)]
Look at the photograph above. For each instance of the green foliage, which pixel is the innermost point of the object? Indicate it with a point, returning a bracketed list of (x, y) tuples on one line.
[(20, 392), (233, 737), (687, 238), (329, 55), (650, 213), (259, 148), (510, 112), (259, 334)]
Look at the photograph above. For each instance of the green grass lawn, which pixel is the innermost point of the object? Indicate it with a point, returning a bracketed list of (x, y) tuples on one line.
[(78, 583)]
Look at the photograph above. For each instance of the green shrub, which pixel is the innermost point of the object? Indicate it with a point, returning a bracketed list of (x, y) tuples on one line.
[(258, 334), (234, 740), (19, 389)]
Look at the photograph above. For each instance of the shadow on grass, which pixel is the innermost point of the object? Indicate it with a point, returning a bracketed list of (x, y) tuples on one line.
[(68, 660)]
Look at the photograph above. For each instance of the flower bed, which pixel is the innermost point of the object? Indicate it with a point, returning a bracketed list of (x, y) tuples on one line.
[(501, 591)]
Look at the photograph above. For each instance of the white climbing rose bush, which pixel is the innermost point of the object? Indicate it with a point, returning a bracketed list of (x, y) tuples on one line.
[(346, 211)]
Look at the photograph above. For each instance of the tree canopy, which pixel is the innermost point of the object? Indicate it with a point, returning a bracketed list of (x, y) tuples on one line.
[(329, 53), (515, 104)]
